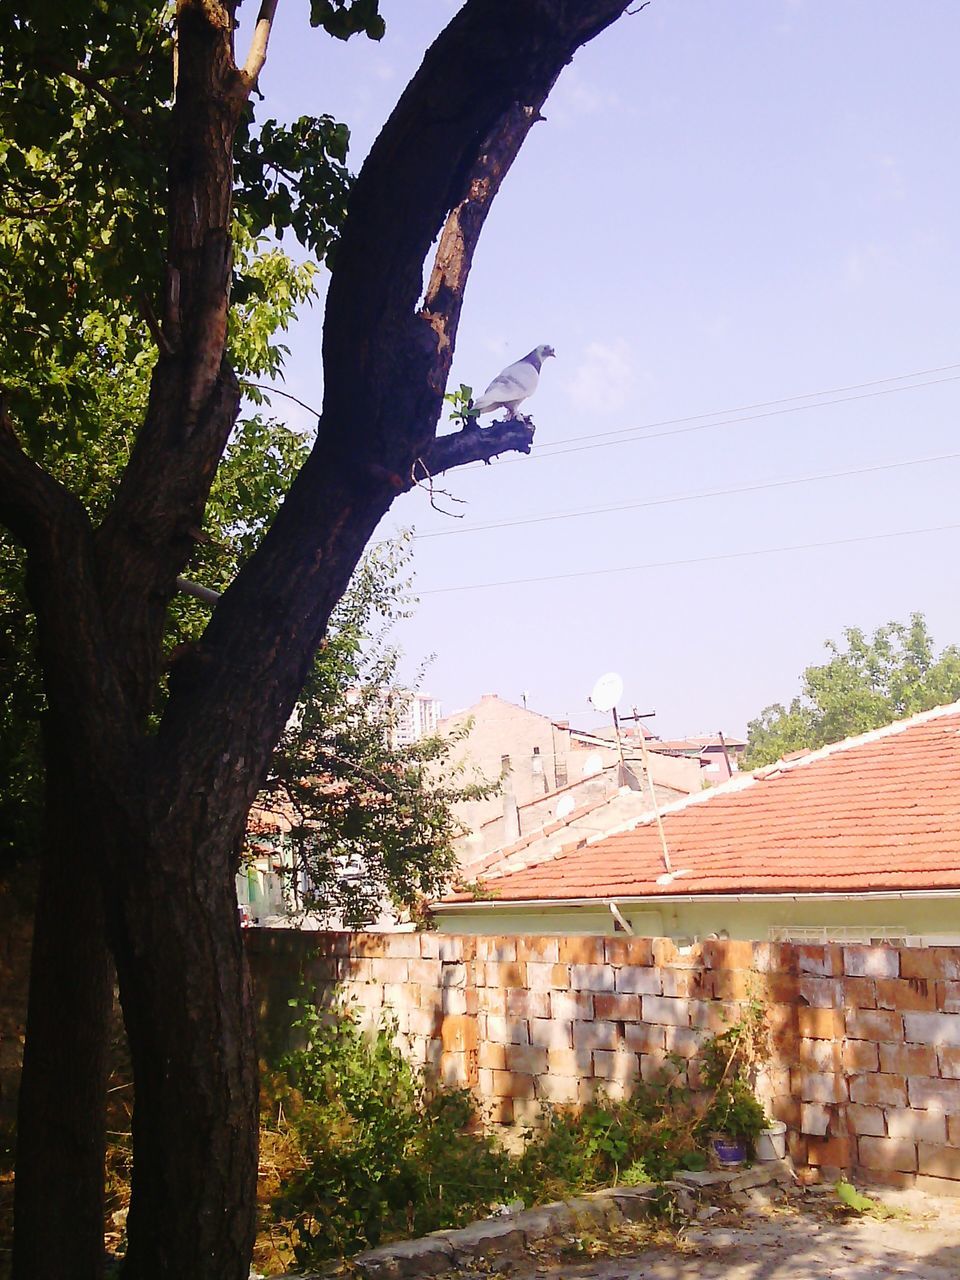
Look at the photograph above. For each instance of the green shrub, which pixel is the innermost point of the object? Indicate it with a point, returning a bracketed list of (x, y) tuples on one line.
[(372, 1154), (382, 1156)]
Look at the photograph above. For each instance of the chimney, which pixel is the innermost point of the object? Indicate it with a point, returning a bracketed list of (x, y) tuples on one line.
[(511, 813)]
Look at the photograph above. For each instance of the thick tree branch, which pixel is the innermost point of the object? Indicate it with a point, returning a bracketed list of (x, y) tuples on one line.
[(32, 502), (478, 444), (90, 81), (258, 45), (63, 587), (443, 300), (447, 146), (145, 538)]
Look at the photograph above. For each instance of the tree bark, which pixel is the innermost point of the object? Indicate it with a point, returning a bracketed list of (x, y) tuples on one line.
[(62, 1104), (188, 1009)]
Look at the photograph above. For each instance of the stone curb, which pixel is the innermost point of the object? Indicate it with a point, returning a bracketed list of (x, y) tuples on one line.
[(444, 1251), (508, 1236)]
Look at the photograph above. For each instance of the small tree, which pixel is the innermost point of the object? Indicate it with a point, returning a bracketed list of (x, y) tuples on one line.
[(865, 685), (371, 819)]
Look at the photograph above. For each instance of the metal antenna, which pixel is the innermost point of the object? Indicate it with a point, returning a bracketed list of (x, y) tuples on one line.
[(606, 693)]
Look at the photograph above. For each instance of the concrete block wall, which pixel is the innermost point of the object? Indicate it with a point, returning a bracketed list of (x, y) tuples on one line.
[(865, 1068)]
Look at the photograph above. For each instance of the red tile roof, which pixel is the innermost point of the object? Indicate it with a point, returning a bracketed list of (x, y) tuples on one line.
[(877, 812)]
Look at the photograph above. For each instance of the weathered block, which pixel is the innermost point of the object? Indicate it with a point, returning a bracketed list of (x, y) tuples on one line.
[(717, 1015), (879, 1090), (453, 1001), (550, 1033), (496, 948), (668, 1012), (541, 950), (822, 1024), (732, 984), (570, 1005), (822, 993), (615, 1064), (634, 980), (838, 1152), (821, 1086), (507, 1030), (628, 951), (528, 1004), (685, 1041), (511, 1084), (871, 962), (505, 974), (937, 1095), (906, 994), (909, 1059), (820, 960), (526, 1059), (458, 1033), (426, 972), (611, 1007), (595, 1035), (930, 962), (686, 982), (949, 1062), (642, 1037), (569, 1062), (888, 1153), (492, 1056), (815, 1118), (865, 1120), (825, 1055), (939, 1161), (560, 1090), (581, 950), (859, 1055), (858, 993), (727, 953), (592, 977), (543, 975), (932, 1028), (917, 1126), (874, 1024)]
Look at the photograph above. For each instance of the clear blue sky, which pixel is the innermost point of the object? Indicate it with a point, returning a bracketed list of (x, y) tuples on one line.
[(732, 201)]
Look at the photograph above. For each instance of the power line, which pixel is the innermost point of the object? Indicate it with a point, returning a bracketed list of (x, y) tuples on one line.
[(766, 404), (696, 496), (672, 564)]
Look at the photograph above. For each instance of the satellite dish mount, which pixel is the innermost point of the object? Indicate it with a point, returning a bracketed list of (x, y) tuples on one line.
[(604, 696)]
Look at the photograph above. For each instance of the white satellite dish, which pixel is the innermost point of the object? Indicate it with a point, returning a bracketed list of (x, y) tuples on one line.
[(607, 692), (565, 806), (592, 765)]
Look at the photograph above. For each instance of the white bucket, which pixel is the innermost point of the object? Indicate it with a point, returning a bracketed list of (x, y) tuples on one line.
[(772, 1142)]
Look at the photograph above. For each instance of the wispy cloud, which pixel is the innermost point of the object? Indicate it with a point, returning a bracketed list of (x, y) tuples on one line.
[(605, 379)]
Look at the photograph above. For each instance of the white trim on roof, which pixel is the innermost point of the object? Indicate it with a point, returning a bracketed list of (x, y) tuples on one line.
[(652, 900), (768, 772)]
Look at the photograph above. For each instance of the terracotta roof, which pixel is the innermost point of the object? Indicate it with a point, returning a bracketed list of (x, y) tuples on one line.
[(877, 812)]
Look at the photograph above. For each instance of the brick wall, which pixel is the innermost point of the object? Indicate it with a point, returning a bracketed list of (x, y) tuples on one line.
[(866, 1060)]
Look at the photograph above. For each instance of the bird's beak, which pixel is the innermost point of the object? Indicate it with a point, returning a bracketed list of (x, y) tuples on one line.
[(549, 352)]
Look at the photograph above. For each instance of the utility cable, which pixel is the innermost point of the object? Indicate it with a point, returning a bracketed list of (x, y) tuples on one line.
[(600, 443), (695, 496), (673, 564)]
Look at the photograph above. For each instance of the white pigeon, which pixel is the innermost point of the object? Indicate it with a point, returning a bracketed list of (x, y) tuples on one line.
[(511, 387)]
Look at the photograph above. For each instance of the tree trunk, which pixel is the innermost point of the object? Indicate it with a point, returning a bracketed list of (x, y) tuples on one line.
[(188, 1008), (62, 1107)]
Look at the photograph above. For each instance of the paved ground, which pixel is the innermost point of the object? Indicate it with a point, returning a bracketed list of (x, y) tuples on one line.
[(808, 1242)]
